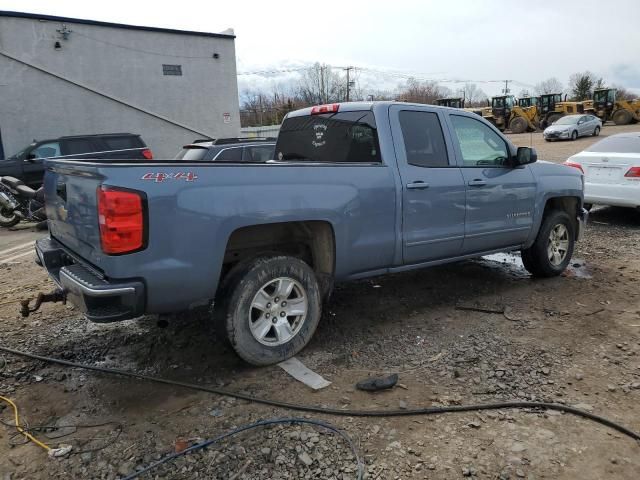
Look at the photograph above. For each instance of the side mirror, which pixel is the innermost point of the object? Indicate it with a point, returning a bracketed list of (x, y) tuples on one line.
[(31, 156), (525, 156)]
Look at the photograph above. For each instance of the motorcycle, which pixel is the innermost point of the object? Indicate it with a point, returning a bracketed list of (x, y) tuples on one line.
[(19, 202)]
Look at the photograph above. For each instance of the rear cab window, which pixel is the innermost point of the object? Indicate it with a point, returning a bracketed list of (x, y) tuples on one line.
[(342, 137), (616, 145)]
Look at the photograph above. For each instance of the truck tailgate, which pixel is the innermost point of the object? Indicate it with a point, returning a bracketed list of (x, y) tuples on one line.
[(70, 195)]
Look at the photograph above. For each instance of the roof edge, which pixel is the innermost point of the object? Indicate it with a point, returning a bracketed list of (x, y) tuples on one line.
[(53, 18)]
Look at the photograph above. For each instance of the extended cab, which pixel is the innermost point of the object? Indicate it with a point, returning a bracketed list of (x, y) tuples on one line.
[(356, 190)]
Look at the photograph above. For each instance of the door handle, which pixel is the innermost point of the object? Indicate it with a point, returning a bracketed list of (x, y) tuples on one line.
[(417, 185), (477, 182)]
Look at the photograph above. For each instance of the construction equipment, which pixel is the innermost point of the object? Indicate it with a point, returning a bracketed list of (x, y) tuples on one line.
[(527, 102), (506, 113), (607, 107), (453, 102), (551, 108)]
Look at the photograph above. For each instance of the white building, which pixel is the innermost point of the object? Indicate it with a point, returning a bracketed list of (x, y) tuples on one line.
[(64, 76)]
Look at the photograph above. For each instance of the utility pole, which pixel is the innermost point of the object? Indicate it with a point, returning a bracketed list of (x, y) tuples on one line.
[(506, 87), (349, 83)]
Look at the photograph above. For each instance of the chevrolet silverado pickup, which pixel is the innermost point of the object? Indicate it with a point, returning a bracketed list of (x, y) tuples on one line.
[(355, 190)]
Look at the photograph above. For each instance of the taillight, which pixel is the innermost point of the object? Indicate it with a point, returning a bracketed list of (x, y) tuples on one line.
[(121, 219), (634, 172), (330, 108), (148, 154), (574, 165)]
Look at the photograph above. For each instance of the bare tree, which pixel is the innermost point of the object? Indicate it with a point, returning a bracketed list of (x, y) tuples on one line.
[(417, 91), (550, 85), (473, 96), (623, 94), (320, 84)]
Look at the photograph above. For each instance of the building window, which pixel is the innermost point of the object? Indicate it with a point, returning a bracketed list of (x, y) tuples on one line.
[(172, 69)]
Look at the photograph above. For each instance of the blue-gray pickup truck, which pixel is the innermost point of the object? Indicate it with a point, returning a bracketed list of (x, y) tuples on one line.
[(355, 190)]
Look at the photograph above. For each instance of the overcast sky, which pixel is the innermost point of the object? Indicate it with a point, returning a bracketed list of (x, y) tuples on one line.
[(455, 39)]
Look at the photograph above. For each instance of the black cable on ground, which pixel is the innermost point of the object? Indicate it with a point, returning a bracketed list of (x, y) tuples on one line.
[(335, 411), (262, 423)]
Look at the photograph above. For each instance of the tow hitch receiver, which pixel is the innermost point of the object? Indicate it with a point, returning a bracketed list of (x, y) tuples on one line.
[(55, 296)]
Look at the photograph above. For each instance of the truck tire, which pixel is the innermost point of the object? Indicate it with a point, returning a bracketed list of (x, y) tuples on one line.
[(270, 309), (518, 125), (8, 218), (553, 118), (621, 117), (552, 250)]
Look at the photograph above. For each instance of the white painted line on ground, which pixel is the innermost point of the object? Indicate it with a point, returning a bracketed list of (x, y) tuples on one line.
[(18, 247), (7, 260)]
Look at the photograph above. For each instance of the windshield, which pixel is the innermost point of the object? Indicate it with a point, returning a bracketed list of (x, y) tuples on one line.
[(617, 145), (571, 120)]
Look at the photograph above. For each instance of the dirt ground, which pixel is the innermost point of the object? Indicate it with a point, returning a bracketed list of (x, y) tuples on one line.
[(573, 340)]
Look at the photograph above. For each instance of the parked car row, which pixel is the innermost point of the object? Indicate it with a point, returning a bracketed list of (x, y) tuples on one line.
[(22, 173)]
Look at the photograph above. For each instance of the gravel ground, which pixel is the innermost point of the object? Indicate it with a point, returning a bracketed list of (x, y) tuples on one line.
[(573, 340)]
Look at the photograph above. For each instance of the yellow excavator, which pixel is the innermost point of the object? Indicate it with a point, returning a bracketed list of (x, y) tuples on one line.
[(607, 107), (506, 113)]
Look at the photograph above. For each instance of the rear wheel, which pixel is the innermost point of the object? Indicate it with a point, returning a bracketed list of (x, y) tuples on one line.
[(621, 117), (518, 125), (552, 250), (574, 135), (596, 131), (8, 218), (271, 309)]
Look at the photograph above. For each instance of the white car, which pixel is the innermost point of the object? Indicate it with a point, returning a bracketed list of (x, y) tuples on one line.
[(611, 170)]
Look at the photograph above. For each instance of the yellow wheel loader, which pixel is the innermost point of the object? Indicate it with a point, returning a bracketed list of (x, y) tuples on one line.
[(451, 102), (607, 107), (505, 113)]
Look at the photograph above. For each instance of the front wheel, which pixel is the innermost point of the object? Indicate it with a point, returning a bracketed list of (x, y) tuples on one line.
[(8, 218), (596, 131), (574, 135), (551, 252), (271, 309)]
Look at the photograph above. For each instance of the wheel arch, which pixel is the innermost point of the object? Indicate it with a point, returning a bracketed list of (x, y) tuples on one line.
[(312, 241)]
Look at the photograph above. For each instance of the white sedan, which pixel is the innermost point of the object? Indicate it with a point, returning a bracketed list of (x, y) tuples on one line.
[(611, 170)]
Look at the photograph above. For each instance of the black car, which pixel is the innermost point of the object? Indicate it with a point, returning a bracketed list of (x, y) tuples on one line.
[(252, 150), (27, 164)]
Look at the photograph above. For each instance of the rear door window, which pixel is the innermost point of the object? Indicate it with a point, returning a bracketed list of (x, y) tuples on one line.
[(343, 137), (77, 146), (423, 139), (122, 143)]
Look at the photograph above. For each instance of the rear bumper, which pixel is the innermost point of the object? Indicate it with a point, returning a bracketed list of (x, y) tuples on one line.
[(613, 194), (99, 299)]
